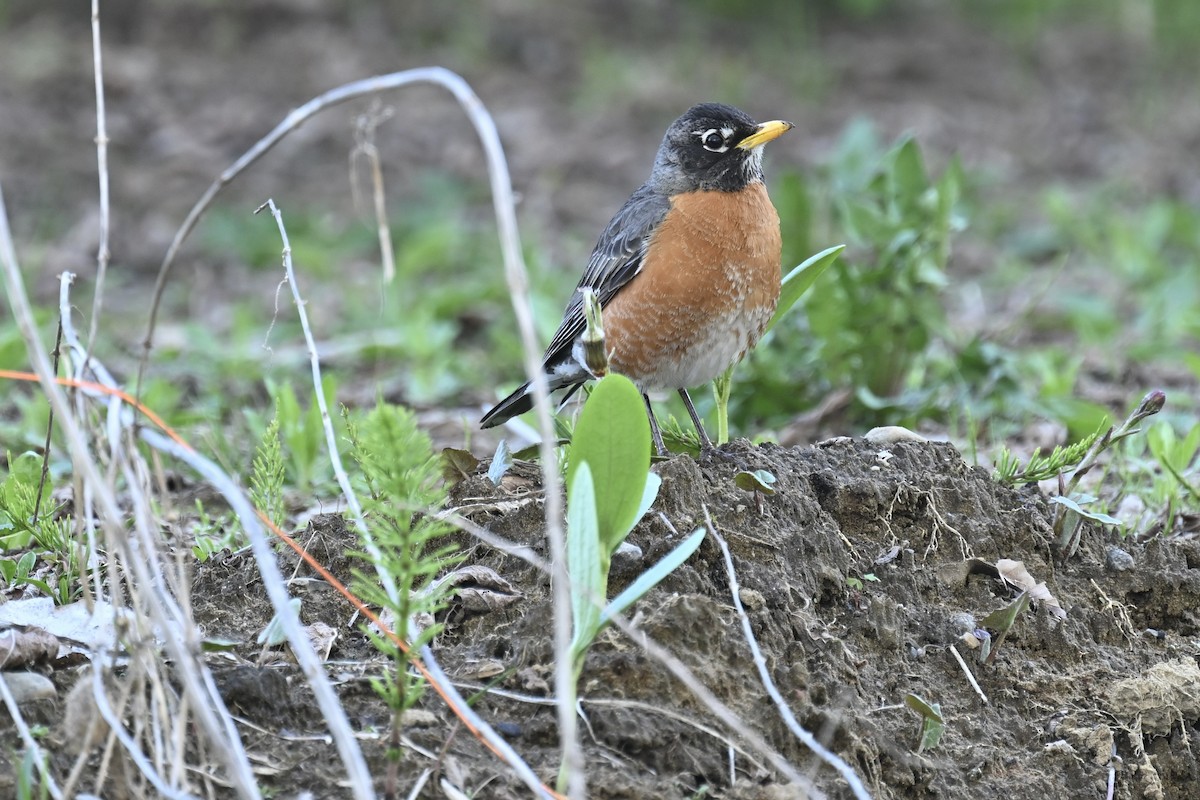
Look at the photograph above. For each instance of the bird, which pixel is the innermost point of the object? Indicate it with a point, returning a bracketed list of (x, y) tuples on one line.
[(687, 272)]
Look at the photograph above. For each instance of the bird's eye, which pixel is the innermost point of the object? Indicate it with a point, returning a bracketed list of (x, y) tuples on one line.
[(714, 141)]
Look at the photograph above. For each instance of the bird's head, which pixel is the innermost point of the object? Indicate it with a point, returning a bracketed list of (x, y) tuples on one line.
[(713, 147)]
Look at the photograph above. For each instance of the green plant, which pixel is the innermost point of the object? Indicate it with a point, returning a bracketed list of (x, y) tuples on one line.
[(870, 324), (29, 778), (933, 723), (1177, 456), (302, 433), (1160, 476), (266, 478), (400, 478), (1010, 470), (1069, 515), (44, 532), (1002, 620), (211, 536), (609, 489)]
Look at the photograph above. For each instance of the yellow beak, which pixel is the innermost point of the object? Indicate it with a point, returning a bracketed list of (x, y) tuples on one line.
[(765, 133)]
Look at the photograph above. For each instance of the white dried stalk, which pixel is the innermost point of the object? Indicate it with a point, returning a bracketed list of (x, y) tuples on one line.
[(760, 663), (102, 253), (165, 616)]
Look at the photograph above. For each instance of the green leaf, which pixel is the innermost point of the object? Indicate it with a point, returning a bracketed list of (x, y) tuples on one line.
[(1096, 516), (933, 724), (801, 279), (613, 438), (653, 576), (584, 562), (909, 170), (758, 481), (1002, 619)]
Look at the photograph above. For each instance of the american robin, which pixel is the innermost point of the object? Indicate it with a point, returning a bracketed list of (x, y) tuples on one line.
[(687, 272)]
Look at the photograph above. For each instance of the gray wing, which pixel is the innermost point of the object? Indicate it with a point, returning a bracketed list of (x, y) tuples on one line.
[(617, 257)]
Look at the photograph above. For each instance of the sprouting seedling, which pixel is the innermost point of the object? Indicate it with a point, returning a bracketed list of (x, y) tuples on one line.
[(609, 489), (1002, 621), (760, 481), (933, 724), (1070, 513)]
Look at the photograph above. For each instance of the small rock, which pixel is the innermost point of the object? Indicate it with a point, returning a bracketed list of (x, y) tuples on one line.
[(889, 434), (28, 687), (1118, 560), (419, 718), (752, 599), (627, 560)]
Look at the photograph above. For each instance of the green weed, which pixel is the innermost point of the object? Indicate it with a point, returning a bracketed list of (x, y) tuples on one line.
[(400, 479), (267, 476), (41, 532), (609, 489), (870, 322)]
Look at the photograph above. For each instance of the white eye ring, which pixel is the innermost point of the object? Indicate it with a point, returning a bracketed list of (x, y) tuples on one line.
[(715, 141)]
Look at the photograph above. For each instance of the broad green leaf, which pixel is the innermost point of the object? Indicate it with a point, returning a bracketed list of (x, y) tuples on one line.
[(760, 480), (1096, 516), (613, 438), (933, 724), (584, 563), (908, 171), (651, 577), (801, 279)]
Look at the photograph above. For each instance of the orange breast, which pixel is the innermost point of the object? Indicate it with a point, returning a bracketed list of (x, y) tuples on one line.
[(706, 291)]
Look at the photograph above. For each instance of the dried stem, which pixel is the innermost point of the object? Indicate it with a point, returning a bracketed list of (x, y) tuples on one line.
[(760, 663), (164, 614), (37, 503), (102, 253)]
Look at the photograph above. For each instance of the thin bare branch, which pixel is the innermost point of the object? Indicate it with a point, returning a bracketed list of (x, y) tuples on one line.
[(102, 253)]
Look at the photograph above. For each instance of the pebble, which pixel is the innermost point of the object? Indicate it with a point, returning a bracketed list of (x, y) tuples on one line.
[(626, 560), (1118, 560), (752, 599), (27, 687)]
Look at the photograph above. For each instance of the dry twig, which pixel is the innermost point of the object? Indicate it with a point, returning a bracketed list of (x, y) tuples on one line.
[(760, 663)]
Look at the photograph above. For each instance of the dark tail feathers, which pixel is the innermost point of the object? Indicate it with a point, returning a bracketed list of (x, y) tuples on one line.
[(515, 404), (521, 400)]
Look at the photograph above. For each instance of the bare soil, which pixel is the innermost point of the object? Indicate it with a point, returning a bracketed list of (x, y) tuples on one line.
[(1111, 687), (855, 573)]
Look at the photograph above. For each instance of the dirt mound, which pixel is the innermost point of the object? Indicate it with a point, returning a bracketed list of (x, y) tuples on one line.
[(856, 581)]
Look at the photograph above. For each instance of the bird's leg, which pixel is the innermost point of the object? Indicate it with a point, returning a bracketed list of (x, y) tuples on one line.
[(706, 444), (655, 433)]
